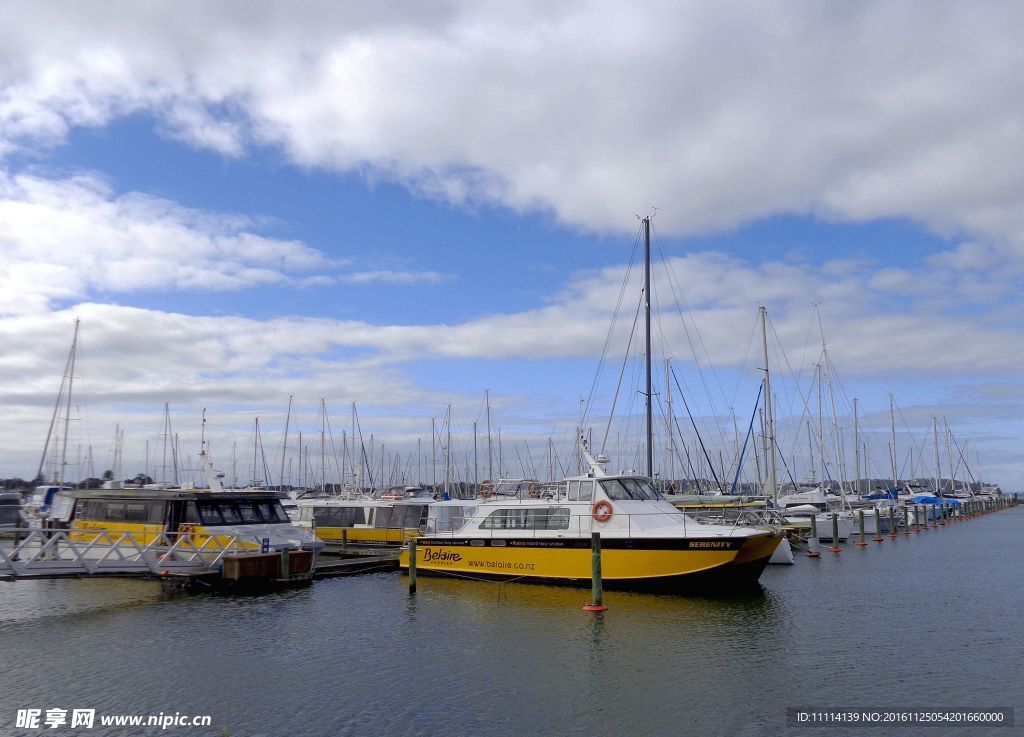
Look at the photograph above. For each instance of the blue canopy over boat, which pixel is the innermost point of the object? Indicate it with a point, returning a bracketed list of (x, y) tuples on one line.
[(936, 500)]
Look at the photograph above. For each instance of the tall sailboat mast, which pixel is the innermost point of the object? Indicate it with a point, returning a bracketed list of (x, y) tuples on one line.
[(68, 378), (771, 486), (647, 339)]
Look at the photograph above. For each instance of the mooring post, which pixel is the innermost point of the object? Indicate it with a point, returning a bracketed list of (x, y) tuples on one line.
[(813, 542), (835, 534), (344, 539), (860, 521), (412, 565), (906, 519), (892, 521), (878, 525), (597, 603)]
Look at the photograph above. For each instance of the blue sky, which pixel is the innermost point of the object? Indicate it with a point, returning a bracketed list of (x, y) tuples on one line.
[(405, 206)]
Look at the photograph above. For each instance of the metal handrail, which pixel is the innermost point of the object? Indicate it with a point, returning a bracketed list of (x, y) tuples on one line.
[(46, 552)]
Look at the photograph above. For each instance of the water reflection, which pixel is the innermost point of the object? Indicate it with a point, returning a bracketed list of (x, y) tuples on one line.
[(937, 615)]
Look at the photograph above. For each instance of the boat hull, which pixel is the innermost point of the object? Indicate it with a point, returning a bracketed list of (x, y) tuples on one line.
[(656, 564)]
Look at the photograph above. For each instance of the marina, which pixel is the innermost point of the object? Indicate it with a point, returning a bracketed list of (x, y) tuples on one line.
[(813, 634), (460, 369)]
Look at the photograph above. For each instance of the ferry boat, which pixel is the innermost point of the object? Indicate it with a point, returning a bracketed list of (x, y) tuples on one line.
[(646, 542), (256, 518), (366, 521)]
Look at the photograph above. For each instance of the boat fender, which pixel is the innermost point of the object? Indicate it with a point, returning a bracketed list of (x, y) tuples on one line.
[(602, 511)]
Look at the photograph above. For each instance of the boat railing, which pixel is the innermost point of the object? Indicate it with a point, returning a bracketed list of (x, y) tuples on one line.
[(43, 553), (583, 524)]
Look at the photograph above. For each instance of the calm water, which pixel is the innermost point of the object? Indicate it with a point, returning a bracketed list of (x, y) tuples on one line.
[(928, 621)]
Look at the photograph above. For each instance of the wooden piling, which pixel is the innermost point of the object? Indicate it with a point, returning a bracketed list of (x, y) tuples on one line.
[(835, 535), (860, 521), (813, 543), (892, 521), (412, 565), (878, 526), (906, 520), (597, 596)]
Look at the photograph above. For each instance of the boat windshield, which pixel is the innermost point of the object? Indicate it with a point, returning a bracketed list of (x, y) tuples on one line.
[(629, 488), (445, 518), (245, 512)]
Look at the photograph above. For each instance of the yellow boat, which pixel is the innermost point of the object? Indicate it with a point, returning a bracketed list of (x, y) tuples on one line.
[(254, 518), (646, 542), (369, 521)]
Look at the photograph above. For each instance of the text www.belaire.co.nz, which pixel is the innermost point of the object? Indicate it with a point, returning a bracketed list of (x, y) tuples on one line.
[(501, 564)]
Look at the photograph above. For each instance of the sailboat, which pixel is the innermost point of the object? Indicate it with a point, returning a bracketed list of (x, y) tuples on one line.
[(646, 542), (37, 509)]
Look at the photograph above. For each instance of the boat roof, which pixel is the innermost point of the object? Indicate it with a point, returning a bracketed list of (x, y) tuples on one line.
[(169, 494)]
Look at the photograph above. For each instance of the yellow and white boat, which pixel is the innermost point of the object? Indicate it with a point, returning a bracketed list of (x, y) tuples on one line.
[(363, 521), (646, 542), (254, 518)]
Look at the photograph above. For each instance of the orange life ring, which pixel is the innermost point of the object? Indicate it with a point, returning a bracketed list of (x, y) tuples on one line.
[(602, 511)]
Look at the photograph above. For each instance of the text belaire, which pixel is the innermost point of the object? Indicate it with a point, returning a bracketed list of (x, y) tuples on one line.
[(430, 556)]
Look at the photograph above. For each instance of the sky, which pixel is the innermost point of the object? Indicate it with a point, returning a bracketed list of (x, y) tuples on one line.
[(432, 210)]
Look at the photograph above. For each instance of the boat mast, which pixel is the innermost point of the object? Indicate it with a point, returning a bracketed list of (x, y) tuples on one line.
[(67, 412), (856, 448), (69, 372), (671, 447), (284, 448), (892, 426), (490, 450), (771, 486), (647, 339)]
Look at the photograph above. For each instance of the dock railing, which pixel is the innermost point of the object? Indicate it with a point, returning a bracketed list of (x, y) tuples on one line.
[(42, 553)]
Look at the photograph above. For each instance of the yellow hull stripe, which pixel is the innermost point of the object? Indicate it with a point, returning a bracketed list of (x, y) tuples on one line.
[(576, 563)]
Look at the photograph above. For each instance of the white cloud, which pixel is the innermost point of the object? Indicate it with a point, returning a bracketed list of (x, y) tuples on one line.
[(585, 109), (717, 113), (395, 277), (65, 239)]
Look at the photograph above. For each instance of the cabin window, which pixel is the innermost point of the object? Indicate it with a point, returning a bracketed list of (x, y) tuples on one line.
[(505, 519), (191, 514), (249, 512), (210, 513), (586, 491), (137, 512), (82, 509), (574, 491), (629, 488), (115, 511), (445, 518), (338, 516), (382, 518), (9, 514), (408, 516), (271, 512), (545, 518)]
